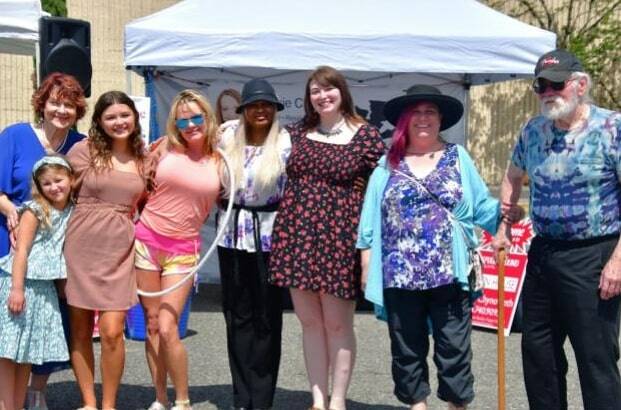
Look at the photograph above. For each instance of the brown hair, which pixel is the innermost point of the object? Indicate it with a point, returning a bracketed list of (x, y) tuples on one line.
[(100, 144), (231, 93), (326, 75), (64, 86), (174, 135)]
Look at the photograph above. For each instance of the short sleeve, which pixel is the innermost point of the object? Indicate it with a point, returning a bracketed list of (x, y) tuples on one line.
[(374, 147), (7, 162), (34, 207), (227, 133), (79, 157), (519, 151), (616, 143)]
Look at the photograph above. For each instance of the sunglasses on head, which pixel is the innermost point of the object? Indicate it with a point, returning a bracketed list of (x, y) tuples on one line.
[(540, 85), (183, 123)]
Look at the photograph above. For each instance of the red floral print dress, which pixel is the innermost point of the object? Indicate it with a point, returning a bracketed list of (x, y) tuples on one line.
[(314, 236)]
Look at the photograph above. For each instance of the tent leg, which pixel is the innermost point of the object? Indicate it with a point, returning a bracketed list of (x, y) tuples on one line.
[(128, 82)]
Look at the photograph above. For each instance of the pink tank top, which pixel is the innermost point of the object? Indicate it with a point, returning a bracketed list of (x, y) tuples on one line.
[(184, 194)]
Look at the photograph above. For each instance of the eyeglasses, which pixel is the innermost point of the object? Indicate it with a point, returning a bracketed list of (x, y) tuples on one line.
[(183, 123), (540, 85)]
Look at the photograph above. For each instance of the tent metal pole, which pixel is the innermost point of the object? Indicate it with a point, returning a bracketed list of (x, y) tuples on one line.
[(128, 82), (466, 84), (37, 58)]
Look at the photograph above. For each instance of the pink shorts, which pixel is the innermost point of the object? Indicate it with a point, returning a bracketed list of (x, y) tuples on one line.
[(149, 257)]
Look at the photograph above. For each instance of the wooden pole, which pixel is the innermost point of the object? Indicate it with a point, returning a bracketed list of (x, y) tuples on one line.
[(501, 329)]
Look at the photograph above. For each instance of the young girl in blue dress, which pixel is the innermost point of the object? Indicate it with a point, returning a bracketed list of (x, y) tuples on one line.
[(31, 329)]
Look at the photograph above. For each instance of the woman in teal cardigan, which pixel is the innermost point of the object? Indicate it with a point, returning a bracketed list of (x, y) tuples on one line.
[(422, 201)]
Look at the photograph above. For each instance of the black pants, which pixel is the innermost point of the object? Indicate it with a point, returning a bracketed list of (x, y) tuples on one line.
[(253, 313), (561, 299), (447, 310)]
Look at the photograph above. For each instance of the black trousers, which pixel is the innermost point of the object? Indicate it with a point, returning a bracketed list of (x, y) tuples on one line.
[(253, 313), (561, 300), (410, 314)]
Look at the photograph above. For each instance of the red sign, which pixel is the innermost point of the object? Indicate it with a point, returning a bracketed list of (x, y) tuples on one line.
[(485, 309)]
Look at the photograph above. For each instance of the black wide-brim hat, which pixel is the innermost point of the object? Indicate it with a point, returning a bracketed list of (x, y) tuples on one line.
[(451, 109), (258, 90)]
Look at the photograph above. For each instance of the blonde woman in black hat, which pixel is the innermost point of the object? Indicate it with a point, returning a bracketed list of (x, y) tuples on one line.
[(415, 260), (258, 149)]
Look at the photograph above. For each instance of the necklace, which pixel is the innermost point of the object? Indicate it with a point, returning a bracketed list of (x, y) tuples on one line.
[(62, 144), (335, 130), (47, 144), (430, 154)]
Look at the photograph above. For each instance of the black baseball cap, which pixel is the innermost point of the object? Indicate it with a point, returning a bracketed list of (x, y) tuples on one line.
[(557, 65)]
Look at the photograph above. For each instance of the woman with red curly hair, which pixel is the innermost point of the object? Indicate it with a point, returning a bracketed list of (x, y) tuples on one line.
[(99, 243), (58, 104)]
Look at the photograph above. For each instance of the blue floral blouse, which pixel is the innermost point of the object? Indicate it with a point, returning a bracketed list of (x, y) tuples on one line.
[(417, 234)]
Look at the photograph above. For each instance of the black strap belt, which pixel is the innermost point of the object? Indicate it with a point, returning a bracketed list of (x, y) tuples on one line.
[(256, 225)]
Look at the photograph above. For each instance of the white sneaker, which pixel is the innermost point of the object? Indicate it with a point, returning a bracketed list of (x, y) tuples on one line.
[(156, 405)]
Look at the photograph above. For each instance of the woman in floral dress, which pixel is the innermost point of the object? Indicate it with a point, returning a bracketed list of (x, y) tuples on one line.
[(313, 242)]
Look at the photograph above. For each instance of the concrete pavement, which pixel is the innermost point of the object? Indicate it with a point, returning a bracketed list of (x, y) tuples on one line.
[(371, 386)]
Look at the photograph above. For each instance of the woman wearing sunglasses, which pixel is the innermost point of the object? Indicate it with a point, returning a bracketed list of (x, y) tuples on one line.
[(185, 184)]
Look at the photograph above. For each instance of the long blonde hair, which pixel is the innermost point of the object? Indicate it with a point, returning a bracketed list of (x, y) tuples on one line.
[(211, 127), (271, 165)]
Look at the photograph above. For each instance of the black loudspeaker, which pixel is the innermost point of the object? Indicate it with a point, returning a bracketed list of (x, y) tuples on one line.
[(65, 46)]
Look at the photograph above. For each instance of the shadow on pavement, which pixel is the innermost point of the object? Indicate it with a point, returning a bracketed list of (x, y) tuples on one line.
[(65, 395)]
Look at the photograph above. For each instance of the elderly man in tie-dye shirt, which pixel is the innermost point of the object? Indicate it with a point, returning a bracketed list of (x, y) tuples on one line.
[(572, 156)]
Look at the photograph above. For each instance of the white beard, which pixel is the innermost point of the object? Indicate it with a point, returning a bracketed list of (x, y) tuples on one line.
[(555, 108)]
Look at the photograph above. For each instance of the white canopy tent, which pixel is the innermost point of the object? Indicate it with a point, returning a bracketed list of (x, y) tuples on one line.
[(382, 47), (19, 26)]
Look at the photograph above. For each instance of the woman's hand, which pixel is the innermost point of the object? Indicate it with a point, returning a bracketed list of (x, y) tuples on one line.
[(157, 144), (9, 210), (17, 301), (365, 256), (360, 184)]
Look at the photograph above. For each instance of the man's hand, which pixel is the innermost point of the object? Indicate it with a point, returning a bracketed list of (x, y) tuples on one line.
[(512, 213), (502, 240), (610, 279)]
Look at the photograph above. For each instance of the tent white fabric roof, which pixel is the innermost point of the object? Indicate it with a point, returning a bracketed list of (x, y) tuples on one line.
[(19, 26), (450, 37)]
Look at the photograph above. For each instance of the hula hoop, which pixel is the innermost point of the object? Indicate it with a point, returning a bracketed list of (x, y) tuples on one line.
[(219, 234)]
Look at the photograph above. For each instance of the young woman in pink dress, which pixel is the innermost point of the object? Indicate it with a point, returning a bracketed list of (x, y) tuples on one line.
[(99, 245)]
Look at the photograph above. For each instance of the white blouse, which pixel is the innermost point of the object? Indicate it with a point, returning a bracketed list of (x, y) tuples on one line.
[(249, 194)]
